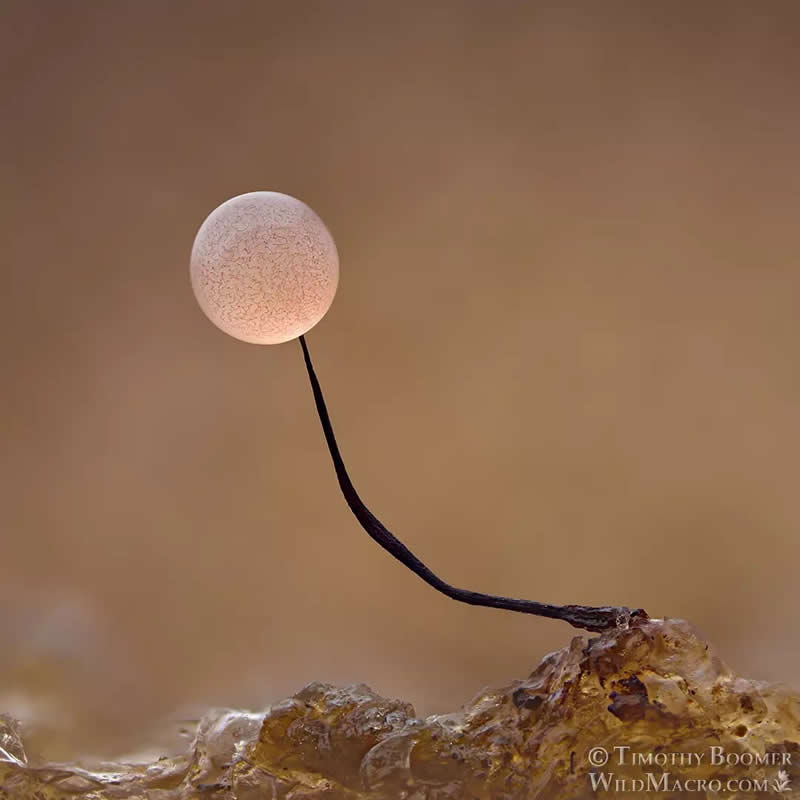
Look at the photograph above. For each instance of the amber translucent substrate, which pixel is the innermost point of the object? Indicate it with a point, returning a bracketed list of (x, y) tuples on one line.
[(654, 687)]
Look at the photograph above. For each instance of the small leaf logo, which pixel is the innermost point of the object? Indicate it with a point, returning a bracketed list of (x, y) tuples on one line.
[(781, 783)]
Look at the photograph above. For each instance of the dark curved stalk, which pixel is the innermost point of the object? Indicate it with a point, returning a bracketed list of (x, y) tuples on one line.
[(589, 618)]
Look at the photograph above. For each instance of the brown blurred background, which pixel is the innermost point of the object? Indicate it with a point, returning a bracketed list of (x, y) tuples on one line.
[(562, 362)]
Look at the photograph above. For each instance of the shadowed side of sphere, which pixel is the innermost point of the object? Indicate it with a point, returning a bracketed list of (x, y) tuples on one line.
[(264, 267)]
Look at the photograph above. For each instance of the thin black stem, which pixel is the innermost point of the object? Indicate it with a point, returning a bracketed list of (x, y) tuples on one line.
[(586, 617)]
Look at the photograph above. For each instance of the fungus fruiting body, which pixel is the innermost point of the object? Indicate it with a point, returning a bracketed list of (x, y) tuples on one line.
[(265, 269)]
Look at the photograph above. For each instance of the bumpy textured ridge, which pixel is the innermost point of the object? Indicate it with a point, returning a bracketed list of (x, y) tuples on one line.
[(653, 697)]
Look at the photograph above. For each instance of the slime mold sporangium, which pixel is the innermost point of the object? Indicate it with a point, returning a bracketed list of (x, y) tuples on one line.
[(265, 269)]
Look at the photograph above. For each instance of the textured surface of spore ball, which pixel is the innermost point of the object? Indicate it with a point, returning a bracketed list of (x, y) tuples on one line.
[(264, 267)]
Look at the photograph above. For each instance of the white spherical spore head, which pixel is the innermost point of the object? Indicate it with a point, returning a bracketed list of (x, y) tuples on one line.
[(264, 267)]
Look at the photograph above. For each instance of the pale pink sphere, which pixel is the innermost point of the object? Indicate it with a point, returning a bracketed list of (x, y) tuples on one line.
[(264, 267)]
